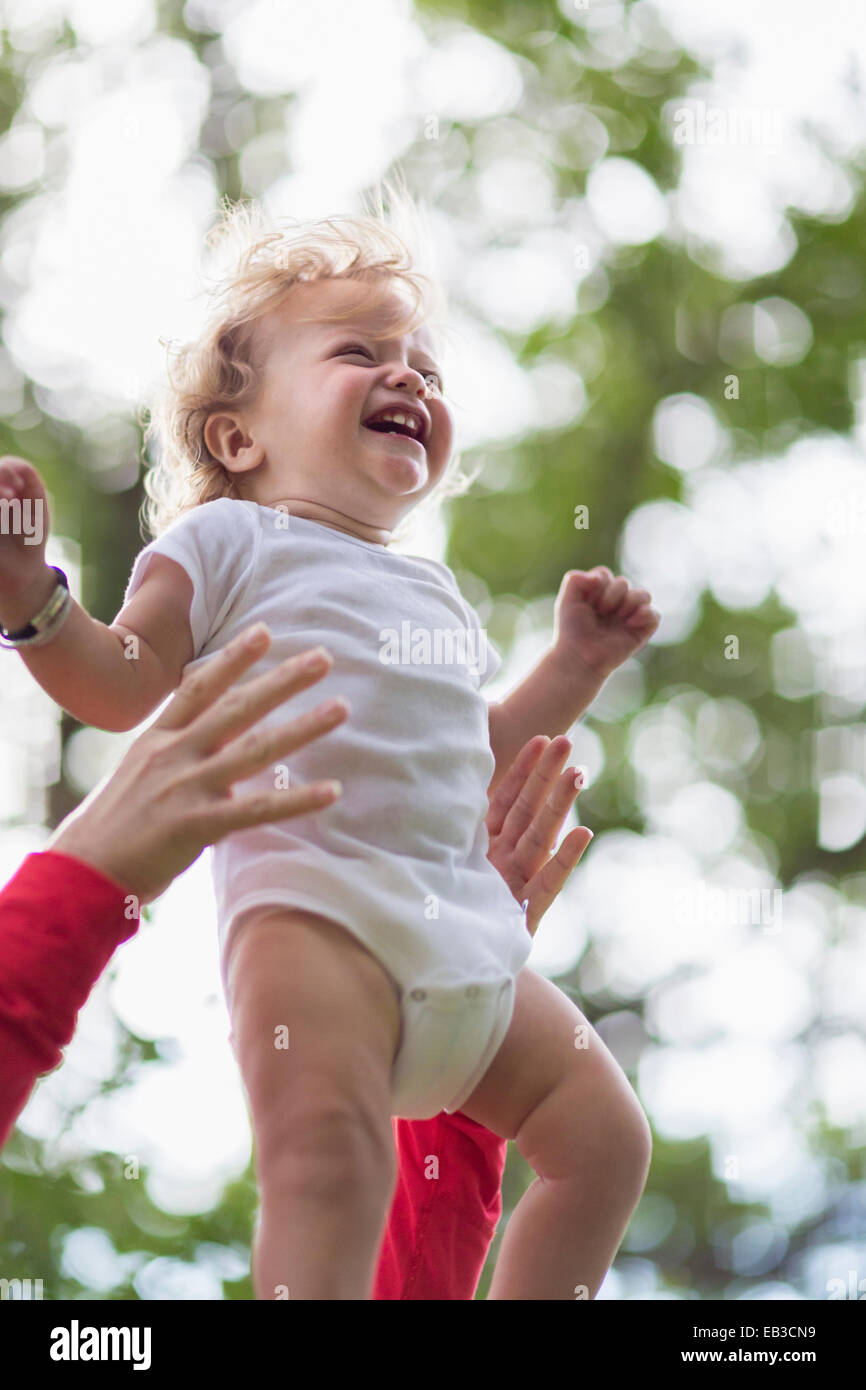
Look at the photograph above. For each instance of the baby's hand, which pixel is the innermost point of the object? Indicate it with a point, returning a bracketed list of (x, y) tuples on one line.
[(23, 526), (601, 621)]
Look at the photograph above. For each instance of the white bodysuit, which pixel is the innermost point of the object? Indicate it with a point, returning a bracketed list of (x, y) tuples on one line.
[(399, 859)]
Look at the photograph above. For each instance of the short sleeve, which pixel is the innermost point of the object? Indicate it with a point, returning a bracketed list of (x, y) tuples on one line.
[(217, 545)]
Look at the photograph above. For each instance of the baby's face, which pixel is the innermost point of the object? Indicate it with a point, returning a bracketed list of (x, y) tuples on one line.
[(320, 382)]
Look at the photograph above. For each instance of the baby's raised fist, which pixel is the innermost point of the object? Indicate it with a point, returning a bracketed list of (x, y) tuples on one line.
[(24, 523)]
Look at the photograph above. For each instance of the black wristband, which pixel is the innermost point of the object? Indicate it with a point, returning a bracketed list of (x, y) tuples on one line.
[(32, 630)]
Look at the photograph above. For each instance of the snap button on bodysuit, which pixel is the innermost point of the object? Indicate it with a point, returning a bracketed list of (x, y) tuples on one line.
[(418, 994)]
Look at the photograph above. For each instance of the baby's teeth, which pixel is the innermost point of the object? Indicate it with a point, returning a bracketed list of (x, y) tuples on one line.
[(403, 420)]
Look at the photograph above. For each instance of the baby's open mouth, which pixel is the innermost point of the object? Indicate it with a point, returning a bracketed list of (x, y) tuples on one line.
[(404, 423)]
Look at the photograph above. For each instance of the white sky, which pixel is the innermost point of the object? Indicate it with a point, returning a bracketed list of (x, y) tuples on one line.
[(101, 262)]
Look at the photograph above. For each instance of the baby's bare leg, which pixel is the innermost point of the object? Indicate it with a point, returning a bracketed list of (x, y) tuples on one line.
[(578, 1123), (321, 1106)]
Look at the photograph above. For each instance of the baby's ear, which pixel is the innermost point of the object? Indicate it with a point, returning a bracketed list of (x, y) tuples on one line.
[(229, 443)]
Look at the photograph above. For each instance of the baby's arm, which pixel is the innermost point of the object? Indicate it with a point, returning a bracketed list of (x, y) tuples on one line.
[(599, 623), (112, 676), (551, 698), (93, 671)]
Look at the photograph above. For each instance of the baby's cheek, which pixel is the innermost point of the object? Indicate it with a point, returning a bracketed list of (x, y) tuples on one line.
[(442, 427), (442, 449), (349, 396)]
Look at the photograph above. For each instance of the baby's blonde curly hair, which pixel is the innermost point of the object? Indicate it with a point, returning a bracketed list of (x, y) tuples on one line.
[(221, 368)]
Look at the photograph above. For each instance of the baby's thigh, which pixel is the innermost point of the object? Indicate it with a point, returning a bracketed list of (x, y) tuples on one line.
[(315, 1024), (553, 1076)]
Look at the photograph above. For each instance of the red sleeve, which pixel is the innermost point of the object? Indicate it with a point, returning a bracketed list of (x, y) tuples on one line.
[(60, 922)]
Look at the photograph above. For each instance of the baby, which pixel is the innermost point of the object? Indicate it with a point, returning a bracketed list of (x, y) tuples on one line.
[(373, 958)]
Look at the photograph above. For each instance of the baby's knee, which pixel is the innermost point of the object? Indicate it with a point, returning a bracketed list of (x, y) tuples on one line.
[(632, 1132), (625, 1138), (605, 1134), (327, 1144)]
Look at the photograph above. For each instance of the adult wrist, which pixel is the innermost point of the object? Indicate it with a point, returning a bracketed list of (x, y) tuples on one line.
[(80, 846)]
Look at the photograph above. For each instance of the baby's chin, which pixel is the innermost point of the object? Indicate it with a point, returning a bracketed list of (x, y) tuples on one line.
[(397, 471)]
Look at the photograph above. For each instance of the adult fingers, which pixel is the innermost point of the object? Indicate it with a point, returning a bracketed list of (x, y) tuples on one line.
[(261, 747), (536, 788), (548, 883), (243, 706), (515, 778), (263, 807), (198, 689), (540, 836)]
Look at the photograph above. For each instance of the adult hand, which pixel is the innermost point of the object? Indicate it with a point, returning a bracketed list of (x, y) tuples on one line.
[(525, 815), (171, 795)]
